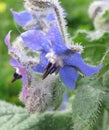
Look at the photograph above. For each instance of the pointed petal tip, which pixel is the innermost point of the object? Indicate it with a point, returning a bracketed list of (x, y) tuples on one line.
[(7, 37), (21, 18), (7, 40), (77, 61), (94, 70)]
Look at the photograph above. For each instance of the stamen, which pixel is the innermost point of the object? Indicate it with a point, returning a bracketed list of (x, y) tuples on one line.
[(49, 70), (53, 69), (16, 77), (48, 66)]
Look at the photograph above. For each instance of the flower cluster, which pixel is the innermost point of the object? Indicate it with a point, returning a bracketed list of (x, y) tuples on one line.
[(56, 57), (45, 36), (38, 95)]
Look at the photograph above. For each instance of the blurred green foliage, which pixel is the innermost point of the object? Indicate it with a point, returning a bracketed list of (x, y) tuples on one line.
[(7, 90)]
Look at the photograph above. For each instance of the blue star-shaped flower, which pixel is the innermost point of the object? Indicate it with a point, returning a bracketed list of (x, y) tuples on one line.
[(56, 56)]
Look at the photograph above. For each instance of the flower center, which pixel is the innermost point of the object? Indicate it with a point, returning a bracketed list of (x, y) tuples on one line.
[(55, 62), (54, 59), (16, 76)]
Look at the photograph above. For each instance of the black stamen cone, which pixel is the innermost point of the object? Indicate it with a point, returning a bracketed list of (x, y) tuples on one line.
[(49, 70), (16, 77)]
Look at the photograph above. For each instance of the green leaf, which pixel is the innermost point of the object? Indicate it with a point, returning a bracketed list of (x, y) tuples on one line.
[(95, 44), (106, 100), (16, 118), (86, 104)]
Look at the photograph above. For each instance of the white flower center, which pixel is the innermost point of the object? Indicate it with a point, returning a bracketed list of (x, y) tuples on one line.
[(18, 71), (54, 59)]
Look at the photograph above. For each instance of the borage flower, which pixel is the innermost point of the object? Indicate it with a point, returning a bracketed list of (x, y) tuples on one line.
[(20, 73), (16, 62), (20, 70), (37, 95), (56, 56)]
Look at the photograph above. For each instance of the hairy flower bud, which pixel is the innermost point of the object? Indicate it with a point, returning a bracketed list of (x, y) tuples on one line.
[(57, 94), (99, 13), (52, 7), (45, 94)]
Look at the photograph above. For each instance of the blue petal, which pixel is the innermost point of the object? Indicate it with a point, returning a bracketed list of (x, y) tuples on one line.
[(50, 17), (42, 65), (38, 68), (21, 18), (65, 101), (7, 41), (76, 61), (14, 63), (24, 78), (35, 40), (54, 35), (69, 76)]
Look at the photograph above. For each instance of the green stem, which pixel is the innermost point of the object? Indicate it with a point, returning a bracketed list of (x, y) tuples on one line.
[(102, 60)]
